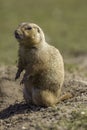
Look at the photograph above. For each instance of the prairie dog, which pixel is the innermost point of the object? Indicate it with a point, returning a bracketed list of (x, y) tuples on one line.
[(43, 65)]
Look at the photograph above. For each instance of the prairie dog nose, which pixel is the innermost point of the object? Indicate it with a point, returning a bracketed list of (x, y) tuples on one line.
[(16, 34)]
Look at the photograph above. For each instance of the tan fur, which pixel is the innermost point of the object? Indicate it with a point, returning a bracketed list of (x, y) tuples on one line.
[(43, 65)]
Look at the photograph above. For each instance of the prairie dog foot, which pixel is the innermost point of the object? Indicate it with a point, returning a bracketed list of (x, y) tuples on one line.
[(43, 98)]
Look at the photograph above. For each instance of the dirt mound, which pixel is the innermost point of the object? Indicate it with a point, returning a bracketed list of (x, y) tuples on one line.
[(15, 114)]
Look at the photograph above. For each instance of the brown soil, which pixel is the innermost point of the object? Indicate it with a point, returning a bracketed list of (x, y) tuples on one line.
[(70, 114)]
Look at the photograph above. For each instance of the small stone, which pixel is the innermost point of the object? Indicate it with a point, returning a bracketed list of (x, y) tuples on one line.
[(23, 128), (82, 112)]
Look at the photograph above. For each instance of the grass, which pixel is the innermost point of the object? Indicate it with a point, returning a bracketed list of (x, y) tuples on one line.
[(70, 67), (64, 23)]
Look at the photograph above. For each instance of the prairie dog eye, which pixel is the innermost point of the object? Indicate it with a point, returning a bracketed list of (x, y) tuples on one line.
[(28, 28)]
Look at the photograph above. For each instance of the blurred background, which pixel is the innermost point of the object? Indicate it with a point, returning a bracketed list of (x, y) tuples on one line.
[(64, 23)]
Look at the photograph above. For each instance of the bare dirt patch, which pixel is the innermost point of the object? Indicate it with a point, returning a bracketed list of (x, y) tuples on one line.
[(71, 114)]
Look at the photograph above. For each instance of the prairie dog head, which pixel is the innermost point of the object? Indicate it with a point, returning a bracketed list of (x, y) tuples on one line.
[(29, 34)]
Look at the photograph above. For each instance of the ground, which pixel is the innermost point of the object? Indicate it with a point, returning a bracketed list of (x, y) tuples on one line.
[(70, 114)]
